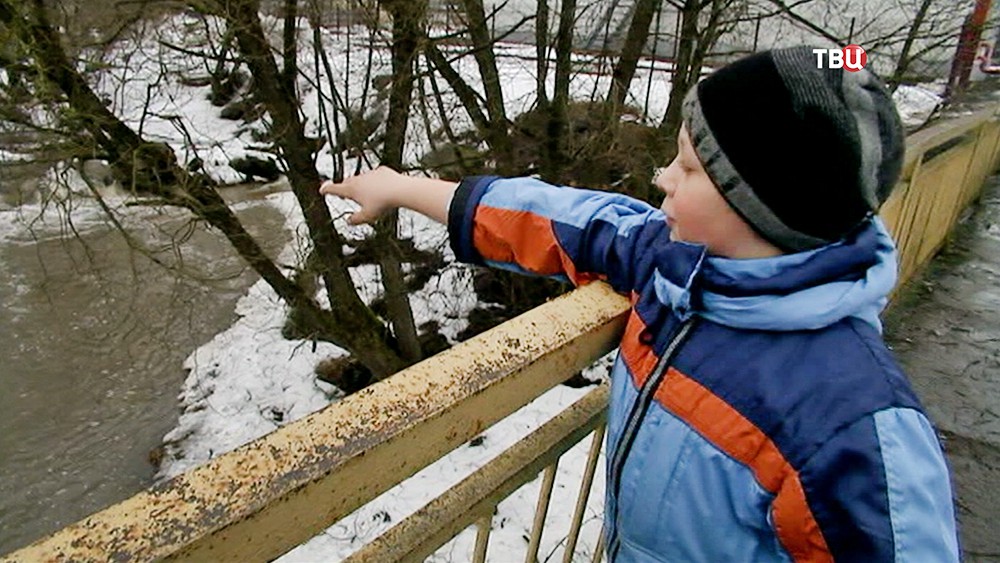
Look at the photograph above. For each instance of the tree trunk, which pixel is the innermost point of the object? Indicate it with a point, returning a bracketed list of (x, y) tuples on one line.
[(224, 83), (407, 29), (680, 81), (635, 42), (903, 63), (542, 51), (289, 51), (466, 95), (482, 44), (707, 38), (357, 327), (555, 160)]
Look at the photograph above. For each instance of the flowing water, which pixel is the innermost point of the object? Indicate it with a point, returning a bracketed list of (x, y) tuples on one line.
[(92, 339)]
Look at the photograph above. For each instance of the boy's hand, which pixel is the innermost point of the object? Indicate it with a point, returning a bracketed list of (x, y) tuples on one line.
[(375, 191), (384, 189)]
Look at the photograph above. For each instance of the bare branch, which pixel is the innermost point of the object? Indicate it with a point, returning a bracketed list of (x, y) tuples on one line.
[(805, 22)]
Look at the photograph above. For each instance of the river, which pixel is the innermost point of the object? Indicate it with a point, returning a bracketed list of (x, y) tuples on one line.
[(92, 339)]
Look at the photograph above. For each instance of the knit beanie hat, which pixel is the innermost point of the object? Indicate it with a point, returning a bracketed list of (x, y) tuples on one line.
[(803, 154)]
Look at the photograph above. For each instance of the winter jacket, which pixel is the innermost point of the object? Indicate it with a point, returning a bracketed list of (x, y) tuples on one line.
[(755, 412)]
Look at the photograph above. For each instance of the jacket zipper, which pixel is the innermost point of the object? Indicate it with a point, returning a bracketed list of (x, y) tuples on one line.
[(636, 414)]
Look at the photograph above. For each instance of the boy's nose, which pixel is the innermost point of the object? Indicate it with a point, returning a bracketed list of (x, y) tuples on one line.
[(658, 173), (663, 181)]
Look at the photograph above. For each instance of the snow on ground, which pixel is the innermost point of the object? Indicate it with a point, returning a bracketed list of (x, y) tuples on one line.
[(250, 380), (10, 156), (146, 88), (916, 104)]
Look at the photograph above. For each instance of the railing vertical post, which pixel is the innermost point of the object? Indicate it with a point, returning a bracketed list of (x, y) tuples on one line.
[(581, 499), (903, 230), (965, 185), (540, 511), (483, 527), (996, 146), (599, 549)]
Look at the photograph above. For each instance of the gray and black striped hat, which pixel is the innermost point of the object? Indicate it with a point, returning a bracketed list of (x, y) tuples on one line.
[(804, 154)]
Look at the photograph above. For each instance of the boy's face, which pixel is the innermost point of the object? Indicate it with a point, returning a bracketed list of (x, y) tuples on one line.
[(697, 213)]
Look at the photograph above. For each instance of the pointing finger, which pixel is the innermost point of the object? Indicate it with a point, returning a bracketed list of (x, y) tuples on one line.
[(330, 187)]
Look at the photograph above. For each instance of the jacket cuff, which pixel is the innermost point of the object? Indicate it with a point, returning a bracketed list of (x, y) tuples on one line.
[(462, 215)]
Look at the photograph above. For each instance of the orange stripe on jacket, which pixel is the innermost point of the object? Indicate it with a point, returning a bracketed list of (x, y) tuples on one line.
[(525, 239), (731, 432), (639, 358)]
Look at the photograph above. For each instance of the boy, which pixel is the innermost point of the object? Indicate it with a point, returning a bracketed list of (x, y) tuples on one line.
[(756, 414)]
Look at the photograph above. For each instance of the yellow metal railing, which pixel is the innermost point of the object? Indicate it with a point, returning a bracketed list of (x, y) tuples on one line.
[(265, 498), (943, 173)]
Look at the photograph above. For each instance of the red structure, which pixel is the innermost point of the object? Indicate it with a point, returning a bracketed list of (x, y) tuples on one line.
[(968, 42)]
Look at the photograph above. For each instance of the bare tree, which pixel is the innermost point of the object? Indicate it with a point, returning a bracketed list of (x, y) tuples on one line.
[(541, 51), (151, 168), (482, 44), (407, 21), (695, 43), (557, 125), (635, 43), (934, 26)]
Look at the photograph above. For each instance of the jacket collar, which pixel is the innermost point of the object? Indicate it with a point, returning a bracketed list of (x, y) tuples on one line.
[(801, 291)]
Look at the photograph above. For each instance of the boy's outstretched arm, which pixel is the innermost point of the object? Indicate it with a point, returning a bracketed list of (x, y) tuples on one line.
[(384, 189), (524, 224)]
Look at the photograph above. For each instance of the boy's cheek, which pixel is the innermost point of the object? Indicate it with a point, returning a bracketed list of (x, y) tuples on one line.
[(667, 207)]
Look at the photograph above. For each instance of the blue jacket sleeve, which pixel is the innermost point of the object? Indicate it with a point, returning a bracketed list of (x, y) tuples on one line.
[(880, 491), (528, 226)]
